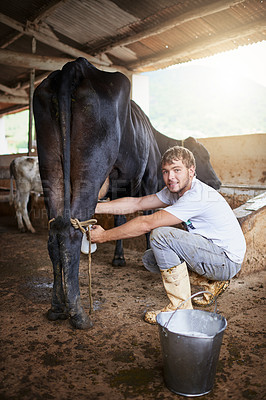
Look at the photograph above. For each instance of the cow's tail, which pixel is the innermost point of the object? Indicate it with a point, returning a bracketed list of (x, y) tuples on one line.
[(11, 192), (72, 74), (65, 129)]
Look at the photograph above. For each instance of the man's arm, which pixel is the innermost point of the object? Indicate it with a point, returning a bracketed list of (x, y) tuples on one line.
[(133, 228), (129, 205)]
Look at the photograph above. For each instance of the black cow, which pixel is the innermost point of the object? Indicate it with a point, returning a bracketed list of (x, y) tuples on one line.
[(86, 131)]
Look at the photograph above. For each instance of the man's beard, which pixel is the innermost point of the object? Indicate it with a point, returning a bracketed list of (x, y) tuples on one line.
[(183, 187)]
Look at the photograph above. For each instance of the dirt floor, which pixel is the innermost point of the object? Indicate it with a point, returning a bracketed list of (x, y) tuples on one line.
[(120, 357)]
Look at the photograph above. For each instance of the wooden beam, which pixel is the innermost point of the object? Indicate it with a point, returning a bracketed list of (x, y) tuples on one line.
[(190, 49), (45, 12), (26, 60), (30, 30), (13, 109), (13, 91), (13, 99), (31, 91), (38, 79), (11, 39), (196, 13)]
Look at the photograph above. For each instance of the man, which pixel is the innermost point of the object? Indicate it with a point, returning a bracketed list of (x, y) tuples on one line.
[(212, 247)]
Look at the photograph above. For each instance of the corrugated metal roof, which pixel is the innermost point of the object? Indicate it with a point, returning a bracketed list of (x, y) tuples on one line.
[(82, 19), (125, 35)]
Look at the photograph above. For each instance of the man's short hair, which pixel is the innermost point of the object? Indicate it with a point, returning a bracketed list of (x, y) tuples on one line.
[(179, 153)]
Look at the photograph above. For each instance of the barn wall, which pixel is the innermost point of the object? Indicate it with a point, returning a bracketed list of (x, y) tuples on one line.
[(252, 218), (238, 160)]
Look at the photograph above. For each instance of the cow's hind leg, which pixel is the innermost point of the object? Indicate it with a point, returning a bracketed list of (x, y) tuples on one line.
[(24, 211), (21, 226), (17, 204), (119, 259), (66, 248), (78, 317), (58, 308)]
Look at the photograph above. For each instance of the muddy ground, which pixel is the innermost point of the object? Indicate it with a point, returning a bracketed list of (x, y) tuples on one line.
[(120, 357)]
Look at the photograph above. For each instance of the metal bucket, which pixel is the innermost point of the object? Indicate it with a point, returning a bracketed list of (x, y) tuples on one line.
[(191, 342)]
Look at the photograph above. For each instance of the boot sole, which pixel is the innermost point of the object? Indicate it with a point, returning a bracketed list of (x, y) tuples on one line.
[(206, 303), (149, 321)]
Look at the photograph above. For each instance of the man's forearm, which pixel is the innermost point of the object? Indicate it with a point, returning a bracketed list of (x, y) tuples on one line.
[(133, 228), (129, 205), (125, 205)]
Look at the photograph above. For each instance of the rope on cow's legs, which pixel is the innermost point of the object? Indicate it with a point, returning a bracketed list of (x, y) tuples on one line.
[(89, 272), (79, 225)]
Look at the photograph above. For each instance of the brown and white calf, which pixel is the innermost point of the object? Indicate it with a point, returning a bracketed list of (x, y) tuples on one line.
[(25, 171)]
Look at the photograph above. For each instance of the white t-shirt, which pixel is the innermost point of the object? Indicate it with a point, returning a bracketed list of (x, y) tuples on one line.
[(207, 213)]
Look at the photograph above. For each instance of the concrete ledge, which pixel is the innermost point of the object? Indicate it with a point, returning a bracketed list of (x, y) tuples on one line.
[(252, 217)]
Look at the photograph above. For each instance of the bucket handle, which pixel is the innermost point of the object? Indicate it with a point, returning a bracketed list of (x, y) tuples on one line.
[(191, 297)]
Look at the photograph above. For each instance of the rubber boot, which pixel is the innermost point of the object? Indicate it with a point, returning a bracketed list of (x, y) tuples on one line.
[(215, 287), (177, 286)]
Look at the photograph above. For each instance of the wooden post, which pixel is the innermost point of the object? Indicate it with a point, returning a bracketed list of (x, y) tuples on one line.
[(31, 90)]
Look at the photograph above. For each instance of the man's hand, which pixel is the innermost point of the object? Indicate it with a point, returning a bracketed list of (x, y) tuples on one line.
[(134, 227), (97, 234)]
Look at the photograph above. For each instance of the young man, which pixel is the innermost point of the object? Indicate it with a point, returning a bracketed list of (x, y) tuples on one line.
[(212, 247)]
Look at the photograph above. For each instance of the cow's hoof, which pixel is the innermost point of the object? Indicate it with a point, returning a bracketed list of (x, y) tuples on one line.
[(55, 315), (22, 230), (81, 322), (118, 262)]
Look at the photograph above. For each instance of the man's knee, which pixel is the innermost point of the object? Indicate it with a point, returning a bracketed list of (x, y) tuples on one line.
[(163, 236), (149, 261), (158, 234), (154, 234)]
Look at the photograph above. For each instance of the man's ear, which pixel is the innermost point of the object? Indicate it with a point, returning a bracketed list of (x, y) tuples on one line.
[(192, 170)]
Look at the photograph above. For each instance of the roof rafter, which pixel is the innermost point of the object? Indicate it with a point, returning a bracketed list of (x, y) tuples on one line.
[(27, 60), (44, 13), (196, 13), (30, 30), (13, 91), (189, 50), (14, 99), (46, 63)]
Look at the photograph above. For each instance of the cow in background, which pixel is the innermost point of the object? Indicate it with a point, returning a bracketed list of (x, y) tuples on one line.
[(25, 171)]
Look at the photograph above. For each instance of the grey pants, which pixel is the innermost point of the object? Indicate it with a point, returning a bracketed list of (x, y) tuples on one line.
[(172, 246)]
